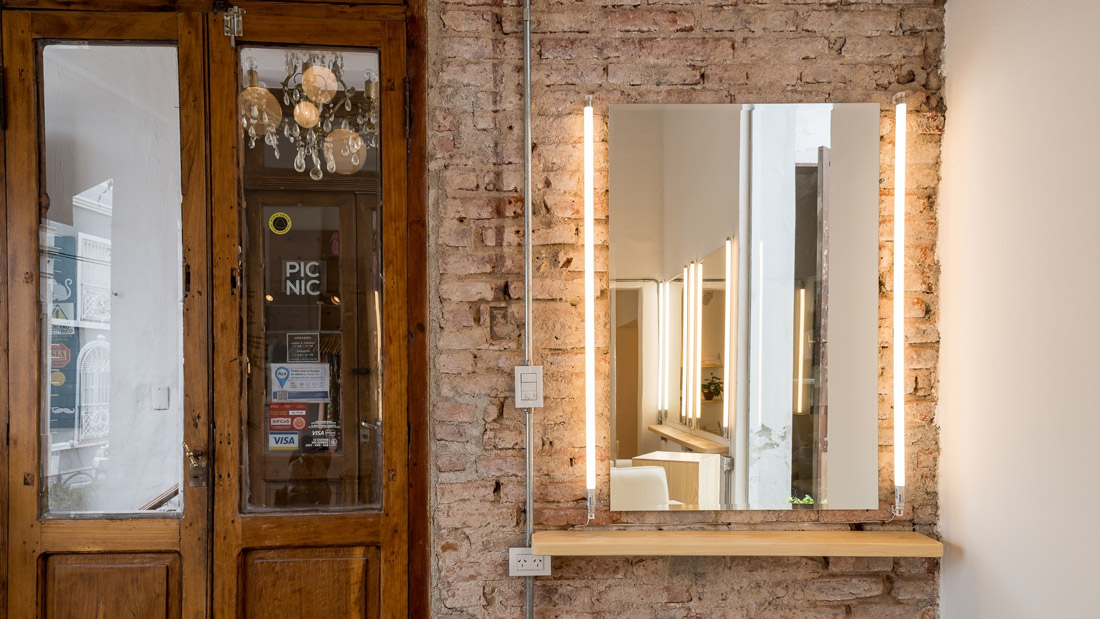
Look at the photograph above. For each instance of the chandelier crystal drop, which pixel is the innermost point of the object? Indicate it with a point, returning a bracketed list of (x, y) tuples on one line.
[(328, 123)]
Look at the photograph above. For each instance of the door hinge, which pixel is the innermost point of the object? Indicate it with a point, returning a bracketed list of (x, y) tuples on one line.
[(232, 23), (408, 109)]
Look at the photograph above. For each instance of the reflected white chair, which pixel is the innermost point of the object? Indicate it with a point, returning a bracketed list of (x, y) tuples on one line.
[(639, 488)]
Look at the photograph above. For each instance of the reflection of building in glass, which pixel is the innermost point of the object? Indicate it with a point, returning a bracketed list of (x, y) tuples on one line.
[(77, 278), (94, 391), (94, 279)]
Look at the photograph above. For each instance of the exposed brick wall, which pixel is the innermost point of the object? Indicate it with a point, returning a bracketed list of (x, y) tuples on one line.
[(631, 51)]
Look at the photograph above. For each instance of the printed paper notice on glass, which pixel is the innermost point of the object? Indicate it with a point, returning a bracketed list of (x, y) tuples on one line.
[(303, 347), (299, 382)]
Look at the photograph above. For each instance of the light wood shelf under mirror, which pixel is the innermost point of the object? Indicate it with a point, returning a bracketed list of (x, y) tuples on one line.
[(695, 443), (735, 544)]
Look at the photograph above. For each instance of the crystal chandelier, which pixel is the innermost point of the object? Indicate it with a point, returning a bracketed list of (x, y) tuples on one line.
[(330, 125)]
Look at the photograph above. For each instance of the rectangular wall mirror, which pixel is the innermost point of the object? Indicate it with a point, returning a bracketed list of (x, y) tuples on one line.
[(744, 306)]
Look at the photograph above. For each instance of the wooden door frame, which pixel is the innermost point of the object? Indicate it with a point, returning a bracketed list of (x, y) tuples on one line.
[(386, 30), (4, 313), (188, 535), (416, 66), (419, 474)]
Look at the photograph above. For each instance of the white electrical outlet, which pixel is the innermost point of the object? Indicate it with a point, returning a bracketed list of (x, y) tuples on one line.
[(522, 563)]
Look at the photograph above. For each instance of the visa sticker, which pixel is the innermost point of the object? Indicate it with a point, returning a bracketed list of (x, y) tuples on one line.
[(282, 441)]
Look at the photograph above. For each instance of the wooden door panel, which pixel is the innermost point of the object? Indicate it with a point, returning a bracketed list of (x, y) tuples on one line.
[(348, 529), (144, 564), (258, 552), (141, 586), (136, 535), (106, 26), (312, 582)]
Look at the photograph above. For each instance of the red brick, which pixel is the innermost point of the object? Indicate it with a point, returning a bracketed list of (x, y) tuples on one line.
[(647, 20), (656, 51), (842, 588)]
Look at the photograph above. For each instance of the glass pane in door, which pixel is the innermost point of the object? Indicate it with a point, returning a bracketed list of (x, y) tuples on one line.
[(111, 282), (312, 279)]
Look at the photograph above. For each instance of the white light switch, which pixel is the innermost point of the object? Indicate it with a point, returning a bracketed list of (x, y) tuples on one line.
[(528, 386), (160, 398)]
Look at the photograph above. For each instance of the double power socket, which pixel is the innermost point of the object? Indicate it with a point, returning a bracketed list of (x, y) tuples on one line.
[(522, 563)]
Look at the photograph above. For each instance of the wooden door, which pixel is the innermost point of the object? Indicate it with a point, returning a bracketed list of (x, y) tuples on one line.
[(310, 319), (107, 314)]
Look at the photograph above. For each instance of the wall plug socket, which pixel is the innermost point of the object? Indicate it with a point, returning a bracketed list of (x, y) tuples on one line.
[(522, 563)]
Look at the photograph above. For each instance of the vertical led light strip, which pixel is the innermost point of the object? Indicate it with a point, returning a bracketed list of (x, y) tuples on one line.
[(899, 303), (698, 384), (727, 357), (801, 360), (685, 339), (589, 312)]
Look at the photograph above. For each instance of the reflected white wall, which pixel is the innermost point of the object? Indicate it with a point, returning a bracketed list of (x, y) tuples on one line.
[(112, 112), (701, 168), (771, 306), (852, 479), (637, 202)]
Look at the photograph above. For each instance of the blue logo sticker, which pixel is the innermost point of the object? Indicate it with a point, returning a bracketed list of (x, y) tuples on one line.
[(281, 375)]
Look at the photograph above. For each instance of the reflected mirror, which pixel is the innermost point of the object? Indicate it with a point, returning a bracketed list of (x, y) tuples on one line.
[(744, 306)]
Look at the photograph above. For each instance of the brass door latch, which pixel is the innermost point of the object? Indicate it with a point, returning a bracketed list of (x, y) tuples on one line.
[(197, 471)]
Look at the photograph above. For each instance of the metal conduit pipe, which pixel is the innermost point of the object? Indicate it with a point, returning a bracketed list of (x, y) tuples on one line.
[(527, 325)]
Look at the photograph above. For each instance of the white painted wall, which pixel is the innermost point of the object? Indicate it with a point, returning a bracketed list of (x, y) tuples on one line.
[(1020, 247)]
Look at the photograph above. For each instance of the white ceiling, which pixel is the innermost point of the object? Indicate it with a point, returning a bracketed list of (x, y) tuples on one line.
[(272, 63)]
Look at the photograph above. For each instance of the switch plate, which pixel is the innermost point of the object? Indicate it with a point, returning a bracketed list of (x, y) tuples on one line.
[(160, 398), (528, 386), (522, 563)]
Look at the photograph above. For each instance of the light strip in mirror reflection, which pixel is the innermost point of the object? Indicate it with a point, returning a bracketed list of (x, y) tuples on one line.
[(662, 346), (691, 345), (801, 360), (697, 378), (685, 338), (689, 368), (760, 341), (727, 353)]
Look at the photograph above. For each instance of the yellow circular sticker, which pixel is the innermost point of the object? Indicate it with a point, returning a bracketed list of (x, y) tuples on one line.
[(57, 379), (279, 223)]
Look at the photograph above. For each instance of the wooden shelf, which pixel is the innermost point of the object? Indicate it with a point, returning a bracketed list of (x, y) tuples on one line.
[(695, 443), (735, 544)]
